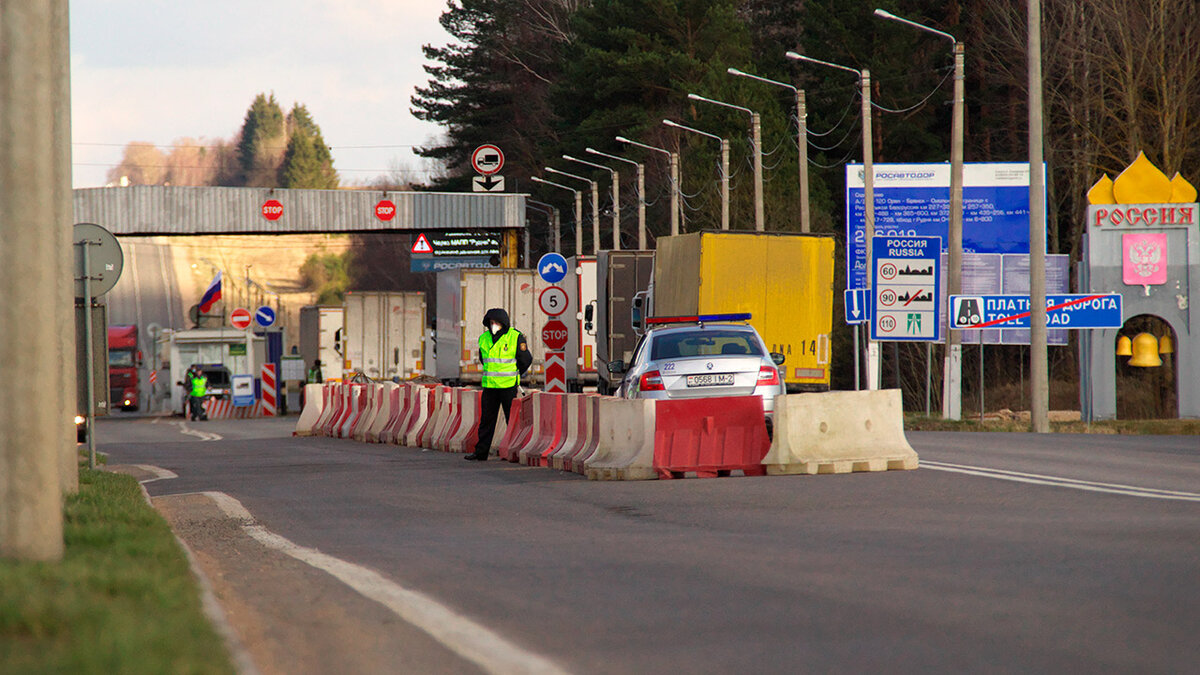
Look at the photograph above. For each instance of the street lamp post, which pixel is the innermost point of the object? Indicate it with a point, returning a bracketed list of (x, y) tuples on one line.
[(616, 196), (952, 379), (801, 139), (864, 80), (578, 215), (551, 211), (641, 191), (595, 209), (673, 157), (724, 168), (756, 140)]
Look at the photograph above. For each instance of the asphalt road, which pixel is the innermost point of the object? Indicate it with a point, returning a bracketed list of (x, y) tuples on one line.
[(147, 294), (1083, 556)]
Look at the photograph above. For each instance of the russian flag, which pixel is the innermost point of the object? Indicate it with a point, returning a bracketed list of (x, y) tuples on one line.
[(212, 295)]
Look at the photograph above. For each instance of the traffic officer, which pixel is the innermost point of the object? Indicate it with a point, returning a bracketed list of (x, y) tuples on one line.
[(198, 389), (505, 356), (314, 374)]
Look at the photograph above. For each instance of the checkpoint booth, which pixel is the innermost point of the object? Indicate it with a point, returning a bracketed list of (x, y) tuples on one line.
[(1143, 241)]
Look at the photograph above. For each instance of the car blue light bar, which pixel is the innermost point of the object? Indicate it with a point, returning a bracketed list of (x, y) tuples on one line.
[(697, 318)]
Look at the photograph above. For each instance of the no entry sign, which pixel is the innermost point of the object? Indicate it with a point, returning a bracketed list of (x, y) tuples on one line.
[(554, 334), (272, 209), (240, 318)]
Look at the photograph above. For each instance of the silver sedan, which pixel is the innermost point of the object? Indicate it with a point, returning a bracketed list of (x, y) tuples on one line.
[(701, 360)]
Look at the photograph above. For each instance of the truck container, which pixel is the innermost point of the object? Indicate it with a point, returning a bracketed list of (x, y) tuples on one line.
[(124, 360), (220, 352), (581, 343), (383, 334), (321, 338), (464, 296), (619, 276), (784, 281)]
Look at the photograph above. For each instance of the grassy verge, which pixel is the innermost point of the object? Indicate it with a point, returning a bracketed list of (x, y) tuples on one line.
[(1142, 427), (123, 599)]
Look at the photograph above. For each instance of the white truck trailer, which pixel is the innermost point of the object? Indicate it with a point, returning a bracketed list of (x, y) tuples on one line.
[(321, 338), (464, 296), (383, 336), (580, 286)]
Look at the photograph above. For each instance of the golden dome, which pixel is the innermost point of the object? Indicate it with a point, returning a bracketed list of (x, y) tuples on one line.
[(1182, 192), (1142, 183), (1102, 192)]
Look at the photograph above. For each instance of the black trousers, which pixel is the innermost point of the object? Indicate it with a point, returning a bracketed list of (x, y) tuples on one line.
[(494, 400), (196, 403)]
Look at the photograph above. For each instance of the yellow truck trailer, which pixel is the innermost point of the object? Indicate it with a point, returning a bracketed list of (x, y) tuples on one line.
[(784, 281)]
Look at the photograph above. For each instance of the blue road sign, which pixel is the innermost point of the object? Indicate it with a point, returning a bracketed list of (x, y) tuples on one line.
[(855, 300), (1070, 311), (243, 390), (552, 268), (914, 200), (906, 289), (264, 316)]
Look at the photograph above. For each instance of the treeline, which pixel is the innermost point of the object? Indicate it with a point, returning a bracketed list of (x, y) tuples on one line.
[(541, 78), (272, 149)]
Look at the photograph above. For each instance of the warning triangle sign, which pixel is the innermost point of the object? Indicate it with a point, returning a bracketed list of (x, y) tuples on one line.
[(422, 245)]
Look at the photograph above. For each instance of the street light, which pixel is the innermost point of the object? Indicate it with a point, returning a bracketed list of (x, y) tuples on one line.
[(724, 168), (616, 196), (864, 80), (952, 389), (675, 186), (552, 212), (801, 138), (641, 188), (756, 140), (578, 216), (595, 207)]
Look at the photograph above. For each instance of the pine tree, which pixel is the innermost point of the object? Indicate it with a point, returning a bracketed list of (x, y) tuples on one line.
[(261, 143), (307, 163)]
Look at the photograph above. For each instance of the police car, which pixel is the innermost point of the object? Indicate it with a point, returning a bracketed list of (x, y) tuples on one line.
[(701, 356)]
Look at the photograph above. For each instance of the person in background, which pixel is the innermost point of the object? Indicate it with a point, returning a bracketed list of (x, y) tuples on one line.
[(505, 356), (197, 385), (314, 374)]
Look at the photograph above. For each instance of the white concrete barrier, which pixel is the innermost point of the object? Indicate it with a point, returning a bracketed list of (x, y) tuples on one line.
[(625, 450), (315, 397), (419, 417), (370, 405), (839, 432), (356, 402), (383, 412), (463, 439)]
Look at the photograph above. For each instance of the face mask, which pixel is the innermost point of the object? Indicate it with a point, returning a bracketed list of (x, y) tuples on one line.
[(495, 328)]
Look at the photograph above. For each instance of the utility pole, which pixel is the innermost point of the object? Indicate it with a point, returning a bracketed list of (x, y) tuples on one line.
[(673, 158), (756, 141), (724, 167), (578, 212), (641, 192), (1039, 376), (36, 279), (595, 210), (616, 196)]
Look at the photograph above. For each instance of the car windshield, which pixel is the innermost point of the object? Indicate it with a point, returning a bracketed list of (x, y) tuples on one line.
[(120, 359), (217, 377), (705, 343)]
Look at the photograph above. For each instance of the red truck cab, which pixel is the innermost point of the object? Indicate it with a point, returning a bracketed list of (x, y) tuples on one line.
[(124, 359)]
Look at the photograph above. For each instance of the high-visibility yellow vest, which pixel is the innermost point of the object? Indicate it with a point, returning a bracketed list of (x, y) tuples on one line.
[(499, 360), (199, 385)]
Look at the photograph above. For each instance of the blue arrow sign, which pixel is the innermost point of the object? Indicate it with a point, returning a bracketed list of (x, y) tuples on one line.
[(552, 268), (264, 316), (856, 304), (1079, 311)]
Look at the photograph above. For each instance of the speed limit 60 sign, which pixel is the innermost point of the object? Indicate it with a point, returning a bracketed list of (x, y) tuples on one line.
[(553, 301)]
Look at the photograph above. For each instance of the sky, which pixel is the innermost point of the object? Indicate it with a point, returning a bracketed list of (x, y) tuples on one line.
[(161, 70)]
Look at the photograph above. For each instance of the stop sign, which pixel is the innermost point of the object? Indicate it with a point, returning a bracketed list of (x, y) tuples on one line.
[(554, 334), (240, 318), (272, 209), (385, 210)]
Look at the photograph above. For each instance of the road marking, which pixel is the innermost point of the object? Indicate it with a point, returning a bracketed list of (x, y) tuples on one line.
[(159, 473), (470, 640), (1059, 481), (202, 435)]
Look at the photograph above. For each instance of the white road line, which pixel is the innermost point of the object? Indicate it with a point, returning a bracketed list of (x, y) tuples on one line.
[(1059, 481), (470, 640), (159, 473), (202, 435)]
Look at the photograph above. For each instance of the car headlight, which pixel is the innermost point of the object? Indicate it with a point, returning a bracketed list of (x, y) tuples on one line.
[(80, 419)]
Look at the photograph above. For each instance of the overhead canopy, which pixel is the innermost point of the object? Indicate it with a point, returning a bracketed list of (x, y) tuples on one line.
[(171, 210)]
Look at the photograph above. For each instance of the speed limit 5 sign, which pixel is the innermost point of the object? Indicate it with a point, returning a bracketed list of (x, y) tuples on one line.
[(553, 301)]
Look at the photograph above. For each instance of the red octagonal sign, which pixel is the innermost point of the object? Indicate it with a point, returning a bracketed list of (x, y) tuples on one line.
[(272, 209), (554, 334), (385, 210), (240, 318)]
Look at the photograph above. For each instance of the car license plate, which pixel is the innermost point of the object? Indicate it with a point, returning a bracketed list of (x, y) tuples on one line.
[(710, 380)]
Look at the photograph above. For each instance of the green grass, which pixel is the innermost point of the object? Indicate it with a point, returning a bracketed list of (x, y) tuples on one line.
[(122, 600), (1139, 427)]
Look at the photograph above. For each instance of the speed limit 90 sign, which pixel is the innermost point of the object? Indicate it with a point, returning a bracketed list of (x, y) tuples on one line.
[(553, 301)]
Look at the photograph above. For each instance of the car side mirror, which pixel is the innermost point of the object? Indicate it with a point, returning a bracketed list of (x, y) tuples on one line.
[(778, 358), (616, 367)]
